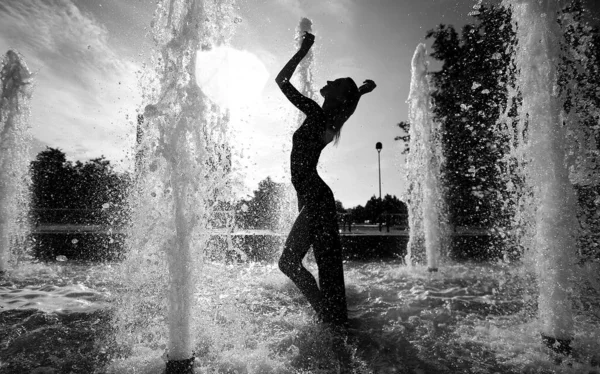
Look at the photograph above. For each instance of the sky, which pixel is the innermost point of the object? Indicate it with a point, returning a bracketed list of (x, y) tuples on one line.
[(87, 57)]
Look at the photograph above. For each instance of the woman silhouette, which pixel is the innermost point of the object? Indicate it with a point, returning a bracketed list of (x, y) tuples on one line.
[(316, 224)]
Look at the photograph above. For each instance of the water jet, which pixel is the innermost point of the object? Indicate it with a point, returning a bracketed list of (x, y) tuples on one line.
[(183, 170), (553, 253), (15, 139), (425, 198)]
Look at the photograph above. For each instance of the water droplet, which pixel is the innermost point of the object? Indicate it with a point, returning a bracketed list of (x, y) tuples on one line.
[(105, 205), (61, 258), (74, 241), (150, 111)]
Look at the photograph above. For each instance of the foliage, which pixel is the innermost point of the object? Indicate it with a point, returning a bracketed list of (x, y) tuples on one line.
[(405, 136), (580, 70), (486, 184), (261, 211), (357, 214), (469, 96), (63, 192), (579, 79), (375, 207)]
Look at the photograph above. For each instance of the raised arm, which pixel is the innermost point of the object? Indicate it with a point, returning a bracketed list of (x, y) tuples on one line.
[(366, 87), (300, 101)]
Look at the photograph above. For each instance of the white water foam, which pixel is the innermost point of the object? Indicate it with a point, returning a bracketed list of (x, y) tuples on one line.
[(15, 138), (428, 232)]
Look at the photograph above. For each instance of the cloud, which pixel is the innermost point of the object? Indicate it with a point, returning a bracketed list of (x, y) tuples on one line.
[(84, 91), (341, 10), (293, 6)]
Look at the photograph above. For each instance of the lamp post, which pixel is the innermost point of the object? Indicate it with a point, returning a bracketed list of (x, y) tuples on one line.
[(378, 147)]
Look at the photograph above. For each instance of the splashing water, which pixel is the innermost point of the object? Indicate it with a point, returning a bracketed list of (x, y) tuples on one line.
[(553, 252), (305, 73), (181, 178), (467, 318), (425, 199), (15, 138), (249, 318), (303, 81)]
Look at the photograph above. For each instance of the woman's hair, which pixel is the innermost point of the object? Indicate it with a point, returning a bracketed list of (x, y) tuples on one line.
[(348, 103)]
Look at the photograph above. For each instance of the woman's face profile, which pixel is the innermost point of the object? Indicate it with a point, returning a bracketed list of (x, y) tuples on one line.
[(336, 89)]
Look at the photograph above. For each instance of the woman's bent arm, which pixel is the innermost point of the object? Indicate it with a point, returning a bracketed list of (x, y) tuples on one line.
[(286, 73), (283, 78), (288, 70)]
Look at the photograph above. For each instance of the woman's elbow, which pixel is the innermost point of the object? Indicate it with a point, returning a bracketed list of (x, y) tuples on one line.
[(280, 81)]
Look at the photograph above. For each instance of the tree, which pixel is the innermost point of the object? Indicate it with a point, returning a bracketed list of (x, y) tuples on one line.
[(260, 212), (392, 205), (339, 207), (470, 94), (375, 207), (579, 79), (357, 214), (50, 186), (99, 192), (80, 193), (405, 136)]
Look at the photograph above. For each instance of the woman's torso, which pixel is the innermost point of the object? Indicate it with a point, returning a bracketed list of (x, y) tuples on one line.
[(307, 143)]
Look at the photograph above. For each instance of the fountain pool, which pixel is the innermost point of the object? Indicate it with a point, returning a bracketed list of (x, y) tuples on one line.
[(467, 318), (164, 304)]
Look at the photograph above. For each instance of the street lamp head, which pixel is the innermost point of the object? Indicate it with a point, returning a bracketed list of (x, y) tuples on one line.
[(378, 146)]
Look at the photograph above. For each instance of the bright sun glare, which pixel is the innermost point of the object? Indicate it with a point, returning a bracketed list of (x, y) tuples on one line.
[(230, 77), (235, 80)]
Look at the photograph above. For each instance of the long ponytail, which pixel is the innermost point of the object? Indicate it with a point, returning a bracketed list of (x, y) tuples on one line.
[(349, 104)]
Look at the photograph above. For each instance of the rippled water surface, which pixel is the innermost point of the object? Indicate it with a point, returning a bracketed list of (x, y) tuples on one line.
[(465, 319)]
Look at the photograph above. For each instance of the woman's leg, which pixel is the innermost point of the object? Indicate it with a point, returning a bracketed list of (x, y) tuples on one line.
[(296, 246), (328, 253)]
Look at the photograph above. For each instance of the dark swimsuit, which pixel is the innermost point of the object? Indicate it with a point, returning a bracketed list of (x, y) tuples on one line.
[(307, 144), (316, 224)]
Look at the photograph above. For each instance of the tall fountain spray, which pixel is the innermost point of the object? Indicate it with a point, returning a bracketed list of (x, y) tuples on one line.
[(425, 198), (553, 250), (180, 176), (15, 138), (305, 68), (303, 80)]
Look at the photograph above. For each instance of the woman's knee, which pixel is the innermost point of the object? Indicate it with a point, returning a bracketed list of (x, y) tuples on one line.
[(288, 265)]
